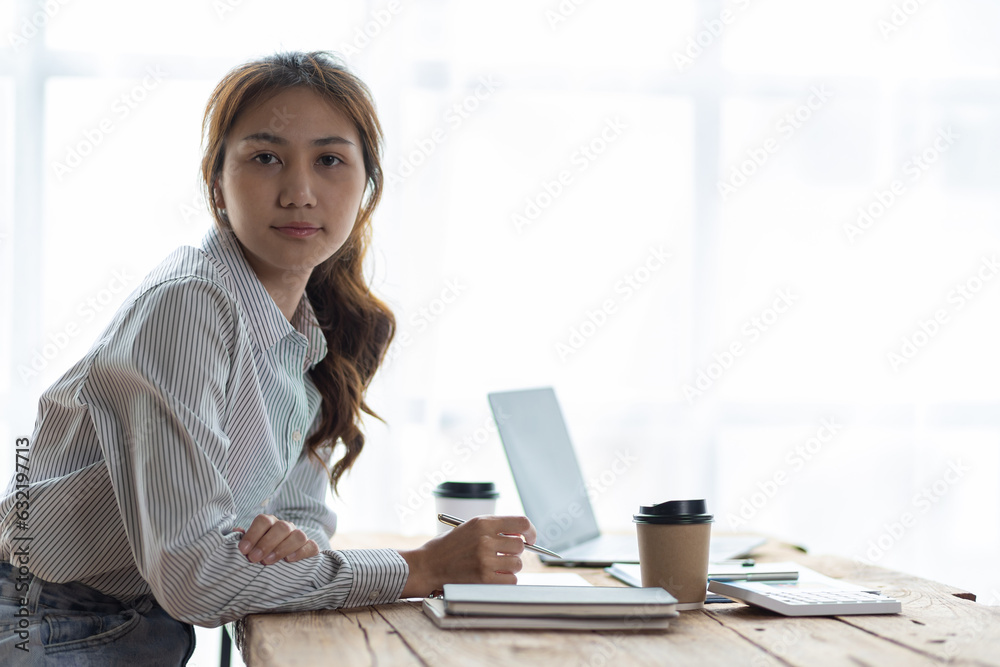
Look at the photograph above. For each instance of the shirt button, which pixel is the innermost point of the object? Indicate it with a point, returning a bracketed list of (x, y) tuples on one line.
[(296, 435), (374, 595), (266, 501)]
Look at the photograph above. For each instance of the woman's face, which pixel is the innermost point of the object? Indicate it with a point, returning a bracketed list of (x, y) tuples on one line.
[(292, 182)]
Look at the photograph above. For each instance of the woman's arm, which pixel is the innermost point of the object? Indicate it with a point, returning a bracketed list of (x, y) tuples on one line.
[(164, 394)]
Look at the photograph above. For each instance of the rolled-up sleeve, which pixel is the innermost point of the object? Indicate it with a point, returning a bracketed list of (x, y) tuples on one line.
[(161, 392)]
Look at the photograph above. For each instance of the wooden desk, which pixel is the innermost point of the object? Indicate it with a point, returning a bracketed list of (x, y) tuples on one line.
[(939, 623)]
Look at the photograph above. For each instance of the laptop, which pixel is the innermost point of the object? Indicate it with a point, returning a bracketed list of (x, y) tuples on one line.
[(554, 493)]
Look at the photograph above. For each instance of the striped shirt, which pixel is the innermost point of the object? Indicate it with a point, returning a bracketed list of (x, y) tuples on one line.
[(186, 419)]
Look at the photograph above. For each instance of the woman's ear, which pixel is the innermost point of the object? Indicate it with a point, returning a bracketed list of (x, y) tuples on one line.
[(219, 200)]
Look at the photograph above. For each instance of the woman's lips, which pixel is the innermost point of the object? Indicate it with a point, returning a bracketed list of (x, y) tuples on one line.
[(298, 232)]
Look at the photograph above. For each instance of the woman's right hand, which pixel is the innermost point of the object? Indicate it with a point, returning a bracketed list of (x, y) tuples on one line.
[(483, 550), (270, 539)]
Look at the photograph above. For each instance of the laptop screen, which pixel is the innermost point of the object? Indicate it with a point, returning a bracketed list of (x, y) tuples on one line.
[(544, 467)]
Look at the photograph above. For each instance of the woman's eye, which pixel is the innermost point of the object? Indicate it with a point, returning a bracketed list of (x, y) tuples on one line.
[(265, 158), (330, 160)]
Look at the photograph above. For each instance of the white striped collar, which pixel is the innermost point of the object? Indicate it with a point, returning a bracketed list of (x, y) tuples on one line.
[(304, 319), (267, 323)]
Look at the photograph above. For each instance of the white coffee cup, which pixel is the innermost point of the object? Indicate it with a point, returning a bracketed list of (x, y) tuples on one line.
[(464, 500)]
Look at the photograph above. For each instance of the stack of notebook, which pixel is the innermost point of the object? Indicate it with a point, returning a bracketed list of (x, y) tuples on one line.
[(551, 607)]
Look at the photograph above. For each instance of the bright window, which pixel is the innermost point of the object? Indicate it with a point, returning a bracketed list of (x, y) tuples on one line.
[(715, 228)]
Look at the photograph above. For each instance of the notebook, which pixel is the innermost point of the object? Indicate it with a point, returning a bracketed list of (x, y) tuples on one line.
[(631, 574), (551, 607), (564, 601), (434, 610), (554, 493)]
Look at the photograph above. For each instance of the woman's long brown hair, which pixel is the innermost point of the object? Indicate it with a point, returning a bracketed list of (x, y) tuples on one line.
[(357, 325)]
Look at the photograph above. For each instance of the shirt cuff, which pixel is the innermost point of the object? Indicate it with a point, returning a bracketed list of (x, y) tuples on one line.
[(379, 576)]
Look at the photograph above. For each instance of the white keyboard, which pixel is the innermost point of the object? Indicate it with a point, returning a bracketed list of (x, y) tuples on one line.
[(793, 599)]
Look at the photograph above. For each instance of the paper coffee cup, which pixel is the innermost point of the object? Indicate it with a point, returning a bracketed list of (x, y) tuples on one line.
[(673, 549), (465, 500)]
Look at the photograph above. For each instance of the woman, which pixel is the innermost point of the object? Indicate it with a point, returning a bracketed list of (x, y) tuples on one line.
[(177, 473)]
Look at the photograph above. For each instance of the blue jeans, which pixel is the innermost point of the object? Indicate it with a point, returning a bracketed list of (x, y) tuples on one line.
[(74, 624)]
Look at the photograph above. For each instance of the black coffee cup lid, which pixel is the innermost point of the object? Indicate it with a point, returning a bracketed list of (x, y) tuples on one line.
[(674, 512), (470, 490)]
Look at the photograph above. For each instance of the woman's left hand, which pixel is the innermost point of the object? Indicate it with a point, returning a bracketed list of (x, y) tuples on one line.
[(270, 539), (483, 550)]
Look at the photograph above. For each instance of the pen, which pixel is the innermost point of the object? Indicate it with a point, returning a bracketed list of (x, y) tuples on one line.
[(452, 521)]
